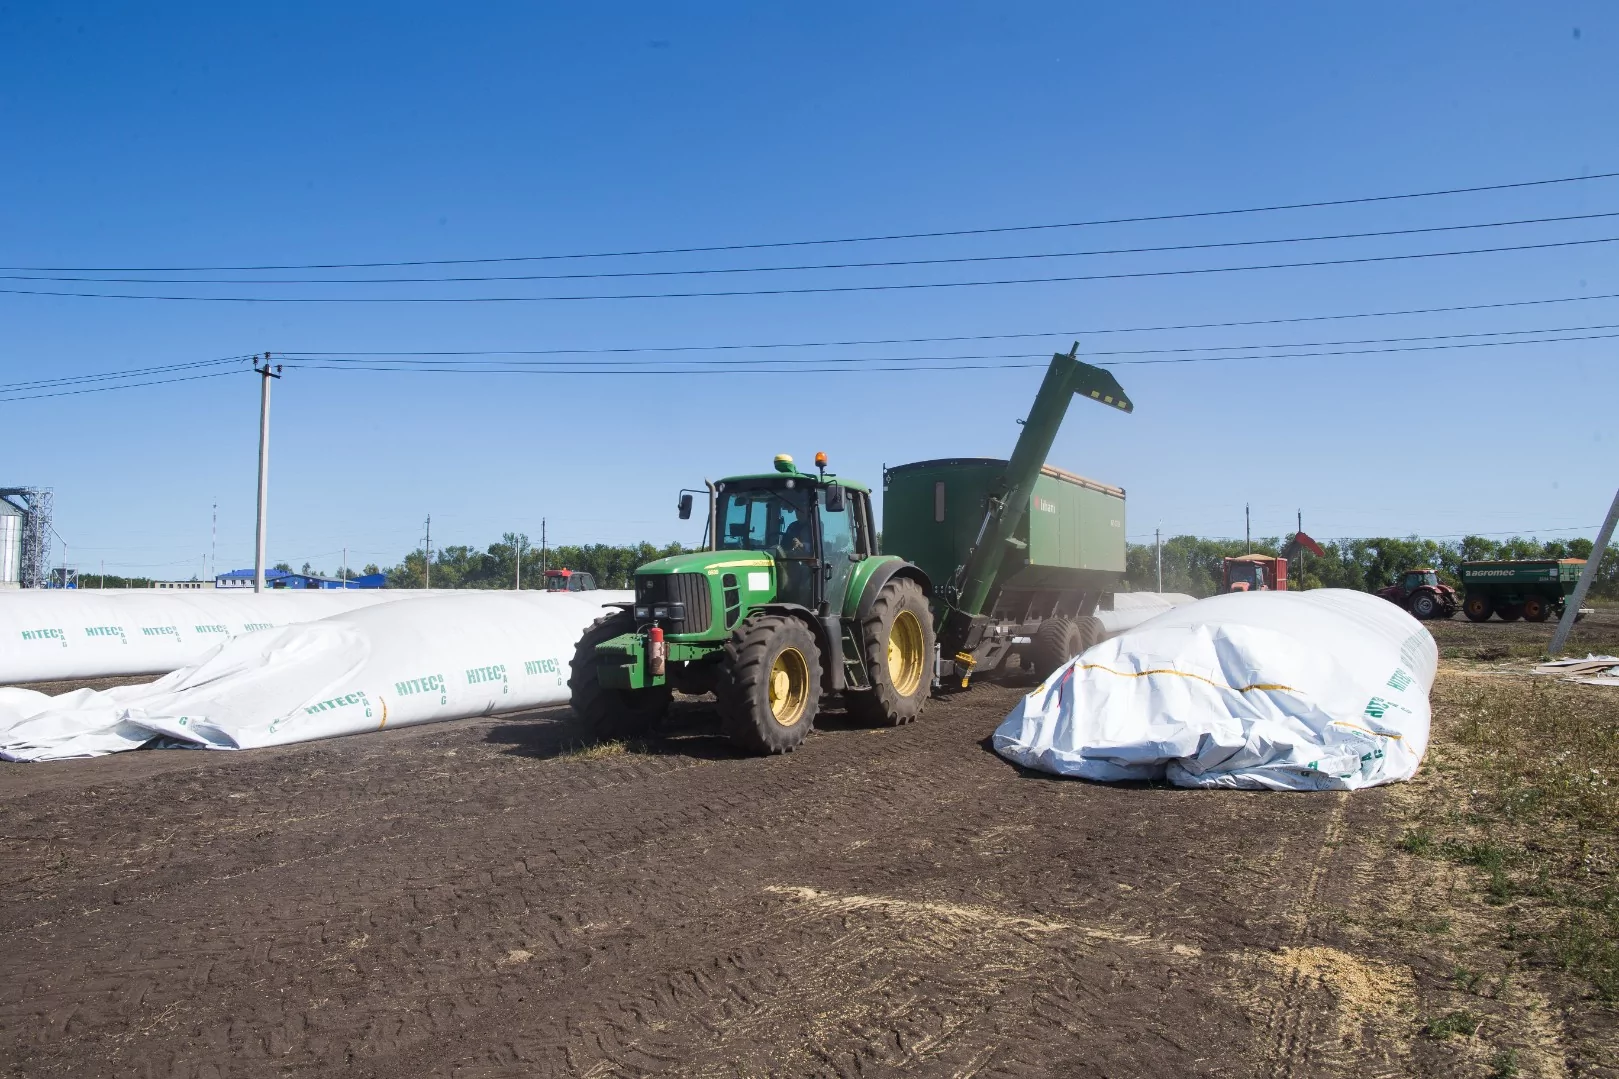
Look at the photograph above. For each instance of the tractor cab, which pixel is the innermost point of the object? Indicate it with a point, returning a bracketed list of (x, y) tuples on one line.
[(813, 528), (1414, 579), (568, 580)]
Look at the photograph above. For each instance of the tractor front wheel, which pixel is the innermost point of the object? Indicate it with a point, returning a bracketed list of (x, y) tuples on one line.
[(1478, 607), (1536, 609), (1423, 605), (896, 641), (769, 685), (612, 713)]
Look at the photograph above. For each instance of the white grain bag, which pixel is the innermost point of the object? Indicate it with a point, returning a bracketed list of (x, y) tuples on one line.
[(386, 666), (1320, 690)]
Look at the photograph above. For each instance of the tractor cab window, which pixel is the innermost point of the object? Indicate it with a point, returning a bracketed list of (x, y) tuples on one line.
[(1414, 581), (837, 531), (773, 519)]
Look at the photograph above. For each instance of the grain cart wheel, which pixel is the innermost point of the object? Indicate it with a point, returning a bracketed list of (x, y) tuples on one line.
[(1091, 631), (769, 685), (1478, 607), (1056, 641), (1535, 609), (1423, 605), (611, 713), (896, 641), (1511, 612)]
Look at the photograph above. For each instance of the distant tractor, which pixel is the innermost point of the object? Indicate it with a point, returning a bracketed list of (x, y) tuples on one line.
[(792, 603), (1255, 573), (1533, 589), (569, 580), (1419, 592)]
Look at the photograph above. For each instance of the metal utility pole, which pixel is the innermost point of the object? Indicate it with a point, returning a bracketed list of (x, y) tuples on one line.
[(213, 544), (517, 585), (265, 375), (1298, 532), (1589, 574), (1158, 550), (544, 565), (427, 555), (345, 565), (1247, 528)]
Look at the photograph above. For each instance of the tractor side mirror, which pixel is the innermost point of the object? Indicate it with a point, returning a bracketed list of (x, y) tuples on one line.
[(836, 501), (685, 507)]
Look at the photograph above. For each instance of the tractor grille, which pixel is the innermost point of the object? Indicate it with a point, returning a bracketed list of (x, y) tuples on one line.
[(688, 588)]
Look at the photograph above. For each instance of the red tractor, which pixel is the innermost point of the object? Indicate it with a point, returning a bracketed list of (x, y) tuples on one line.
[(1419, 592), (568, 580), (1255, 573)]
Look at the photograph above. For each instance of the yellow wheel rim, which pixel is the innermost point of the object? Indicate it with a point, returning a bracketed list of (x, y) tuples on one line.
[(789, 687), (905, 653)]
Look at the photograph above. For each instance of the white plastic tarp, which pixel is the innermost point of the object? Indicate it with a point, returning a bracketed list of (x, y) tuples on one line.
[(391, 665), (1319, 690), (1130, 609), (52, 634)]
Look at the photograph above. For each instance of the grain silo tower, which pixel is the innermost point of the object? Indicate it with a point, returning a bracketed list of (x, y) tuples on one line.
[(11, 519), (25, 537)]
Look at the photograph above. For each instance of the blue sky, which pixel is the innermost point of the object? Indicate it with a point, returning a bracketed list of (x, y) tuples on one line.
[(202, 135)]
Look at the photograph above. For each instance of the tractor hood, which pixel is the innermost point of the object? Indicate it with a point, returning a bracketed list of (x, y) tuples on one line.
[(708, 563)]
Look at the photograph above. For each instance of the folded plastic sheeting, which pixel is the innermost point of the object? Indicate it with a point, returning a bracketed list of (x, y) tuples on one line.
[(1321, 690), (390, 665), (52, 634)]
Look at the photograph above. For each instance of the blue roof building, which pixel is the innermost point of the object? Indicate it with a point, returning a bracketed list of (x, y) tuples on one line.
[(280, 578)]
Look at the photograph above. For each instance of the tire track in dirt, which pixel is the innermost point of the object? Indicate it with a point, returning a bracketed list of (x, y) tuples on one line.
[(508, 911)]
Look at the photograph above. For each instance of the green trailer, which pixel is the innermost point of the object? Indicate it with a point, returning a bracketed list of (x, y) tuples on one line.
[(1063, 556), (1530, 588)]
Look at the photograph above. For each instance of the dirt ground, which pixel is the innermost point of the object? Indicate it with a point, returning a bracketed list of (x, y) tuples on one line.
[(493, 898)]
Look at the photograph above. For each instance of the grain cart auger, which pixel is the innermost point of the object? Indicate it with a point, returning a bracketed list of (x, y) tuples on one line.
[(789, 603), (1023, 552)]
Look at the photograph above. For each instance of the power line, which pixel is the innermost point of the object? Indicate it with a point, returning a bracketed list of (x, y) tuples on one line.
[(125, 386), (881, 238), (1092, 331), (821, 289), (464, 358), (871, 364), (71, 380), (883, 264)]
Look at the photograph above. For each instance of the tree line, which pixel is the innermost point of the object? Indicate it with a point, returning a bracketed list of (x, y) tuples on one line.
[(1193, 565)]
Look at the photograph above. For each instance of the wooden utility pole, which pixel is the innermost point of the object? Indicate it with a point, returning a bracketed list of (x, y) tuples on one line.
[(1158, 551), (1571, 610), (427, 555)]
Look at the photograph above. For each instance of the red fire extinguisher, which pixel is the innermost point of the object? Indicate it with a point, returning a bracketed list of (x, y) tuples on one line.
[(658, 652)]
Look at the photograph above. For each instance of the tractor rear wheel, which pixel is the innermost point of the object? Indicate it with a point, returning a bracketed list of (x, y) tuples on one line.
[(1056, 641), (1423, 605), (769, 686), (1478, 607), (1511, 612), (1535, 609), (896, 641), (612, 713)]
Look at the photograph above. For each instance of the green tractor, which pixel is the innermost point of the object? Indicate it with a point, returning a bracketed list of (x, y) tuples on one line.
[(791, 602)]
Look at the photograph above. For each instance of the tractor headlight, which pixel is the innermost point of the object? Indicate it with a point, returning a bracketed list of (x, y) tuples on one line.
[(660, 611), (643, 613)]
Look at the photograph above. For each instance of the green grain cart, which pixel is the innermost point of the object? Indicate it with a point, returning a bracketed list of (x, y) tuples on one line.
[(1062, 557), (792, 601), (1530, 588)]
